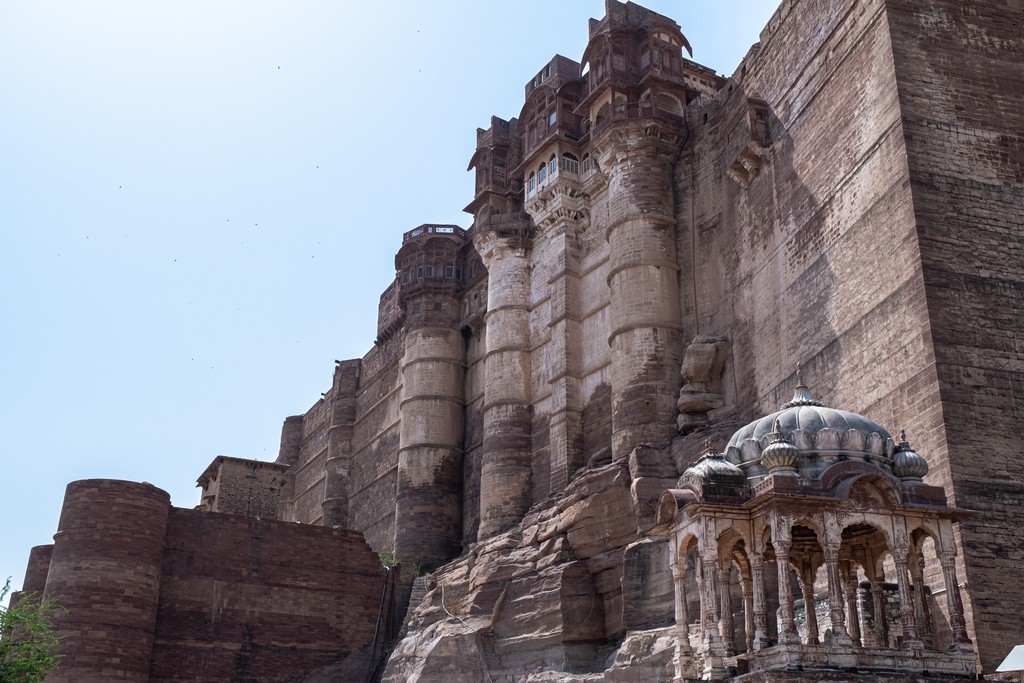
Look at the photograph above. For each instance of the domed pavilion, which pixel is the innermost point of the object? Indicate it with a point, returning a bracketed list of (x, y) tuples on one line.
[(802, 547)]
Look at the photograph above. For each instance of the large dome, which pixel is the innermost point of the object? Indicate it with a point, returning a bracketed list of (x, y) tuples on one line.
[(823, 436)]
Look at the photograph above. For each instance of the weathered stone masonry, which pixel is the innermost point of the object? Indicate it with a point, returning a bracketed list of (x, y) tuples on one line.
[(654, 250)]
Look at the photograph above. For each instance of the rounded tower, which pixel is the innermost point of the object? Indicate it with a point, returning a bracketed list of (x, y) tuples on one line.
[(637, 88), (503, 237), (38, 568), (428, 514), (105, 572)]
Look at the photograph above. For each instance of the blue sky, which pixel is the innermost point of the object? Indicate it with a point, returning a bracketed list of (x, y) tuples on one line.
[(200, 204)]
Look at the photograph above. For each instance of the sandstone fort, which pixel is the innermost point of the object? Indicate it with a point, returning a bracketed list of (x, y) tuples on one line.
[(721, 381)]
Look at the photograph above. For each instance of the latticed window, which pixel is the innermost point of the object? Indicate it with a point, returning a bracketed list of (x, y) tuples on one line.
[(542, 173), (553, 165), (570, 163)]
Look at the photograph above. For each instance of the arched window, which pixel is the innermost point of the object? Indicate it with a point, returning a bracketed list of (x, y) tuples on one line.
[(532, 184), (669, 104), (553, 166), (542, 174), (587, 164), (570, 163)]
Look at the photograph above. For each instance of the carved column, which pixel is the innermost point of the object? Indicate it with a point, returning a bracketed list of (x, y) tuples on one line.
[(881, 622), (921, 612), (835, 596), (899, 556), (760, 609), (748, 613), (807, 588), (684, 652), (682, 609), (725, 625), (643, 278), (954, 602), (709, 599), (787, 629), (852, 603), (506, 460), (714, 649)]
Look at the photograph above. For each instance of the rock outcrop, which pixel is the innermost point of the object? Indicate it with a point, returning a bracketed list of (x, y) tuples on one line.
[(545, 599)]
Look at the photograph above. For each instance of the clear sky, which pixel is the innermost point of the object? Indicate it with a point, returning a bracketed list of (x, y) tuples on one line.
[(200, 203)]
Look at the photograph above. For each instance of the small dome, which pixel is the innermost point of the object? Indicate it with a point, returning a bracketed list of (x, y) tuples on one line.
[(906, 464), (821, 435), (780, 456), (712, 467)]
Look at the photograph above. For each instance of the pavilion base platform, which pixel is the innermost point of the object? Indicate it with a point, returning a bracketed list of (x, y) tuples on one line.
[(855, 663)]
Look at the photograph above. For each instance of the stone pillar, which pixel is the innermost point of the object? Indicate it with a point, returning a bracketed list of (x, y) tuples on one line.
[(684, 652), (506, 460), (725, 625), (339, 443), (881, 623), (714, 649), (748, 613), (760, 609), (910, 640), (954, 602), (921, 613), (807, 588), (787, 630), (645, 315), (105, 572), (835, 596), (709, 598), (852, 603)]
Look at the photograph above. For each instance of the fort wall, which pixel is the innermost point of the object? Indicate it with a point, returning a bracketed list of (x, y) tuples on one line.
[(154, 593), (961, 94), (244, 599), (801, 201), (847, 202)]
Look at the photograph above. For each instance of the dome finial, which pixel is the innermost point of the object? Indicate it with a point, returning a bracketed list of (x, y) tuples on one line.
[(801, 395), (903, 436), (710, 451)]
